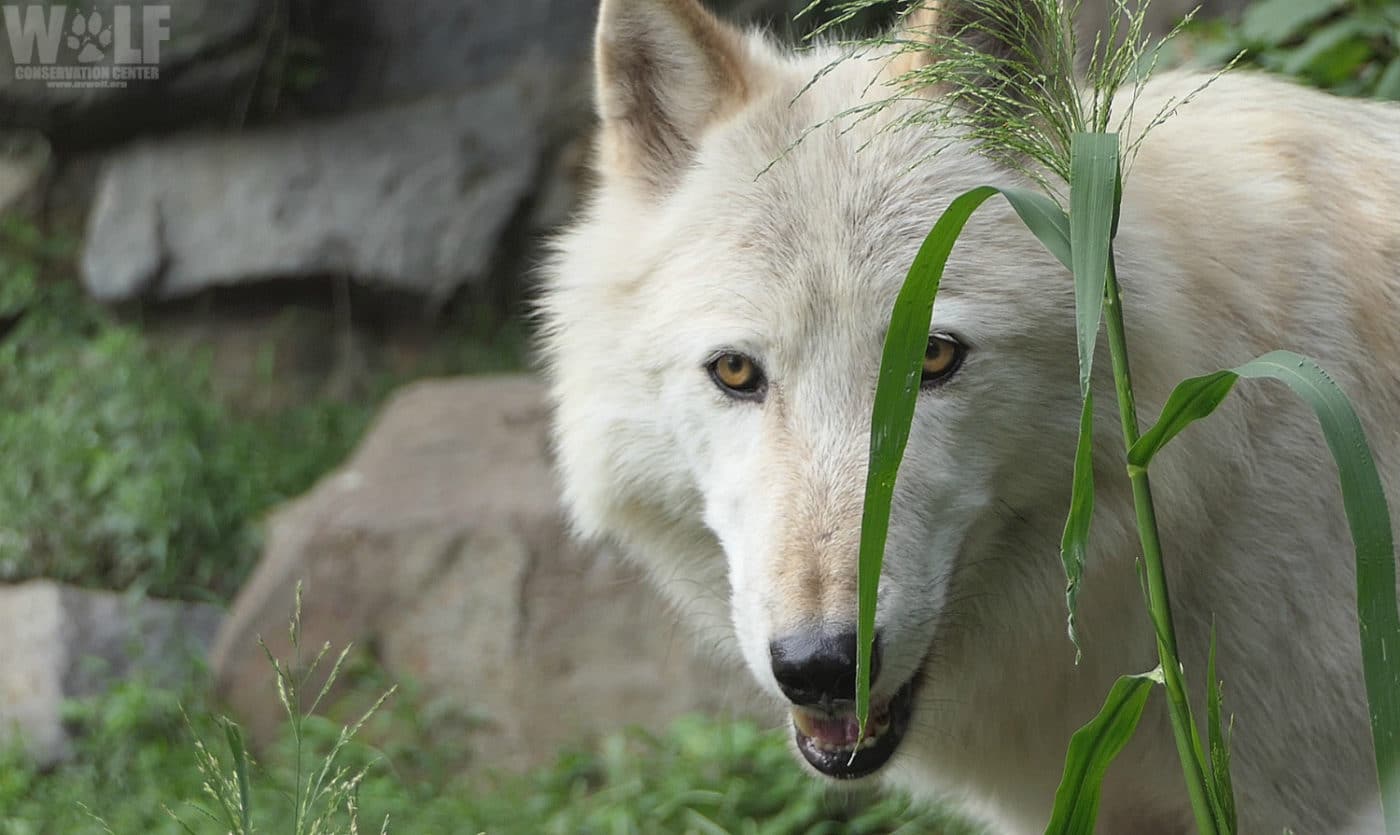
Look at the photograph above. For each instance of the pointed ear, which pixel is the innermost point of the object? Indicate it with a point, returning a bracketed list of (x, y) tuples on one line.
[(918, 27), (997, 29), (666, 71)]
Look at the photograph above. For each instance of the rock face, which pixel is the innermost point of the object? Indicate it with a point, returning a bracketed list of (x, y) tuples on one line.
[(414, 197), (441, 544), (59, 643)]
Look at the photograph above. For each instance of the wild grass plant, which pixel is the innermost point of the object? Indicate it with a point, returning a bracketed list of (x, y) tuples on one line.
[(1023, 107), (324, 797)]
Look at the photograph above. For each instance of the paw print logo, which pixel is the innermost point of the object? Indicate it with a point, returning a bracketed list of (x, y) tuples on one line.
[(89, 37)]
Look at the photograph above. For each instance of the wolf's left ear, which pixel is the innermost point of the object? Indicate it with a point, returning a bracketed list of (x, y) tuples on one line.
[(666, 70)]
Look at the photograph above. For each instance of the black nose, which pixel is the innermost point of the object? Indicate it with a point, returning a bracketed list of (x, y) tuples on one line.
[(815, 668)]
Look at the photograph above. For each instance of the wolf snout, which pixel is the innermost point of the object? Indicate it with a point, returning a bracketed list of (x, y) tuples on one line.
[(819, 667)]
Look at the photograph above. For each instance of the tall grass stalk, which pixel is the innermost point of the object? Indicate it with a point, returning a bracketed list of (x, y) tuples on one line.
[(321, 797), (1021, 107)]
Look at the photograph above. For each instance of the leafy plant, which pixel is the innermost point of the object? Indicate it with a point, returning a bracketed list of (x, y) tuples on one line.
[(1023, 111), (119, 474), (1351, 47), (122, 467)]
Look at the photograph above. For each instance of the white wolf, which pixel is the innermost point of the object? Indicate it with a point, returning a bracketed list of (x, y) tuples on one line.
[(713, 330)]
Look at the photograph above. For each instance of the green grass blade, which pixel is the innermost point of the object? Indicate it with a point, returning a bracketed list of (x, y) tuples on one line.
[(898, 386), (239, 751), (1094, 177), (1092, 748), (1222, 788), (895, 395), (1367, 515), (1092, 201), (1044, 218), (1052, 227), (1075, 539), (1189, 402)]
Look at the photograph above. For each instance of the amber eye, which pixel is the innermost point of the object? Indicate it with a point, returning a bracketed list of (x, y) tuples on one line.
[(737, 375), (941, 359)]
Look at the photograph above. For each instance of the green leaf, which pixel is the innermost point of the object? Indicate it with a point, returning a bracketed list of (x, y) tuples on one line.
[(1092, 748), (897, 389), (1222, 787), (1331, 54), (1388, 85), (898, 385), (1094, 190), (896, 392), (1189, 402), (1075, 539), (1092, 207), (1273, 22), (1044, 218), (1367, 515)]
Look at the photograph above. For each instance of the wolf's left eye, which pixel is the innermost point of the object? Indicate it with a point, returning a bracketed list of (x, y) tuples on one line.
[(941, 360), (738, 376)]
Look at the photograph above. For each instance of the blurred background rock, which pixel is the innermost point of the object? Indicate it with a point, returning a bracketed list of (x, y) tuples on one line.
[(210, 284)]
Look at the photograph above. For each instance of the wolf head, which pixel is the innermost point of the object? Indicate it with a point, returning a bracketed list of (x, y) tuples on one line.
[(714, 325)]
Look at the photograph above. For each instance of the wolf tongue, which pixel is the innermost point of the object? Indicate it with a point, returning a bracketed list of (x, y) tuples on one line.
[(842, 730)]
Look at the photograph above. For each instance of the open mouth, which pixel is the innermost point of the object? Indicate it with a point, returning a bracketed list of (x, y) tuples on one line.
[(831, 741)]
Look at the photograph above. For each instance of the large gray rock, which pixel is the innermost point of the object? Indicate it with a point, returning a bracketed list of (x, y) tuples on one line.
[(59, 643), (414, 197), (441, 544), (207, 66)]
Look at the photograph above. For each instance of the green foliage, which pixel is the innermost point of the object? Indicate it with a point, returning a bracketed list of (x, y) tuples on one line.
[(1218, 744), (324, 794), (1092, 748), (895, 396), (121, 467), (1368, 517), (145, 764), (1092, 219), (1350, 47), (701, 776), (898, 387), (131, 755)]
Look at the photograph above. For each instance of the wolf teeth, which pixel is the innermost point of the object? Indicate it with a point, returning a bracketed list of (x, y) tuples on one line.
[(877, 730), (868, 742)]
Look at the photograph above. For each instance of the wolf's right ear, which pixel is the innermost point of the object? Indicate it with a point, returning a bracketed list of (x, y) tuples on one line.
[(666, 70), (1003, 31)]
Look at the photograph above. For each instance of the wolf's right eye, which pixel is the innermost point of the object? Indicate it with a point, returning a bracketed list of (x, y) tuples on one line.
[(738, 376)]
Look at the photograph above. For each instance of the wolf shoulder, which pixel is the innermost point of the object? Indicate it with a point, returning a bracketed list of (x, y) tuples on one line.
[(1272, 207), (1242, 142)]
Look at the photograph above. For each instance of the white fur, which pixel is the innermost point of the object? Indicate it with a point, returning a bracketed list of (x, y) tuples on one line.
[(1261, 216)]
